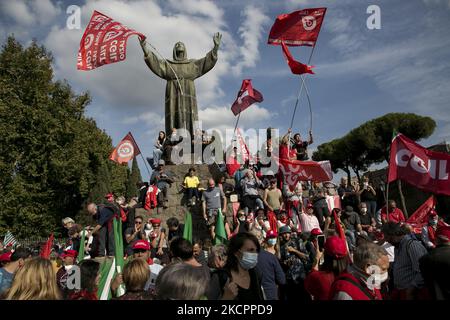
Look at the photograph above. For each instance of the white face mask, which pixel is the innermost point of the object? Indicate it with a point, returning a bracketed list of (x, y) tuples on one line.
[(363, 210), (249, 260), (241, 219), (272, 242)]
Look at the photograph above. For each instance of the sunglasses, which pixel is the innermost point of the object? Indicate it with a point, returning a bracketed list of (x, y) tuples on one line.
[(157, 226), (138, 222), (139, 251)]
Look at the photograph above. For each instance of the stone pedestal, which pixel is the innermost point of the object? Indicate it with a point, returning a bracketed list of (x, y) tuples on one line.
[(177, 202)]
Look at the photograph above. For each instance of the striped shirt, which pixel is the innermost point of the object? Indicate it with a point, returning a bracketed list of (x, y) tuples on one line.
[(406, 270)]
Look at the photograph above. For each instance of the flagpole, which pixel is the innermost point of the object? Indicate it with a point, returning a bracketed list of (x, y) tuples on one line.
[(145, 164), (235, 127)]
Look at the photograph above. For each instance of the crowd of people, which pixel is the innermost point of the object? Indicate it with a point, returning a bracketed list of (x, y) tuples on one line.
[(282, 242)]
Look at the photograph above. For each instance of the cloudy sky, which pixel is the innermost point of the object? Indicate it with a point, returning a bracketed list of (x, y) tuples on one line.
[(360, 73)]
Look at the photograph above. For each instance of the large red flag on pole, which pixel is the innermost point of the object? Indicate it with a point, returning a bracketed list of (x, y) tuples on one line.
[(104, 41), (247, 96), (420, 167), (299, 28), (126, 150)]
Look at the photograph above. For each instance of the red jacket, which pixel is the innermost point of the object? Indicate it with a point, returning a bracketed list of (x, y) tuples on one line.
[(150, 197), (354, 287), (318, 284), (394, 216)]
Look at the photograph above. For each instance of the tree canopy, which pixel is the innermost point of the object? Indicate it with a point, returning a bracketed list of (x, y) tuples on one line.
[(53, 159), (370, 142)]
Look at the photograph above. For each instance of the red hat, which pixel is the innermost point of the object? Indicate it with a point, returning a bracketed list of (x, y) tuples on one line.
[(316, 232), (433, 213), (271, 234), (109, 195), (155, 221), (443, 232), (335, 247), (69, 253), (309, 206), (141, 245), (6, 257)]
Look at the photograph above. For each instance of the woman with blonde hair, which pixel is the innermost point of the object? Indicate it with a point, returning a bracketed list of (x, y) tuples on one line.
[(36, 280), (135, 276)]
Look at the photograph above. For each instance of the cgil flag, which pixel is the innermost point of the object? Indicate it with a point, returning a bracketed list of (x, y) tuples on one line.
[(299, 28), (426, 170), (296, 66), (9, 240), (246, 97), (295, 171), (104, 41), (126, 150)]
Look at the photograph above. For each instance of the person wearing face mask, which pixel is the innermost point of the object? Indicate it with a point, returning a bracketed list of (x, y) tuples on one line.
[(367, 221), (242, 283), (363, 279), (269, 268), (429, 231), (16, 261), (368, 195)]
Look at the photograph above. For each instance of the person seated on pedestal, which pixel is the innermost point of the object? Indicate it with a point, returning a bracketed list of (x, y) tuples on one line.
[(163, 181), (191, 183), (171, 145), (159, 148)]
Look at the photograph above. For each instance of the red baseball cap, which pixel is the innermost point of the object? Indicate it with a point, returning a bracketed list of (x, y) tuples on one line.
[(309, 206), (155, 221), (433, 213), (141, 245), (271, 234), (443, 232), (69, 253), (316, 232), (335, 247), (6, 257), (109, 196)]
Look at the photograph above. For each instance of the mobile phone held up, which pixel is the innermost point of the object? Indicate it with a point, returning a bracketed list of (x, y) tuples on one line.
[(321, 241)]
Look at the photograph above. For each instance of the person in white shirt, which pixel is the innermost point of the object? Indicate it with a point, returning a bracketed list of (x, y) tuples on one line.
[(308, 220)]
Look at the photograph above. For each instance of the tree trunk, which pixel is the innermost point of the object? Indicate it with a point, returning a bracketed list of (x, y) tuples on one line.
[(347, 170), (357, 175), (402, 198)]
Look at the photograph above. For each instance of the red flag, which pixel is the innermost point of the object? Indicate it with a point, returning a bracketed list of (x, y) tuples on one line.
[(296, 66), (295, 171), (245, 153), (246, 97), (126, 150), (422, 168), (420, 217), (299, 28), (104, 41), (47, 248)]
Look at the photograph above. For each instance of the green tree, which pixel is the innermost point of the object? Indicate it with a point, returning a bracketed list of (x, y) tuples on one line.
[(52, 157), (133, 179)]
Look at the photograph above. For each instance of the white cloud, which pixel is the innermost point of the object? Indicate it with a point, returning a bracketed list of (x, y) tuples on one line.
[(18, 11), (45, 10), (251, 33), (112, 82)]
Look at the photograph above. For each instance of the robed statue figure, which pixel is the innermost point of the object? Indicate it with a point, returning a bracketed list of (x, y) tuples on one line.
[(180, 73)]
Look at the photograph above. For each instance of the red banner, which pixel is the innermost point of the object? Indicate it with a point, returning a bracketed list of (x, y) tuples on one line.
[(295, 171), (422, 168), (46, 249), (126, 150), (299, 28), (420, 217), (104, 41), (296, 66), (246, 97)]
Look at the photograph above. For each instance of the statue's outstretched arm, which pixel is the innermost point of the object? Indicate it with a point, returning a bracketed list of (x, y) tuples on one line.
[(158, 66), (209, 61)]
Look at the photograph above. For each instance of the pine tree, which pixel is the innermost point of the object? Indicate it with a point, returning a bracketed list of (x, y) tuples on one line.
[(133, 179)]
